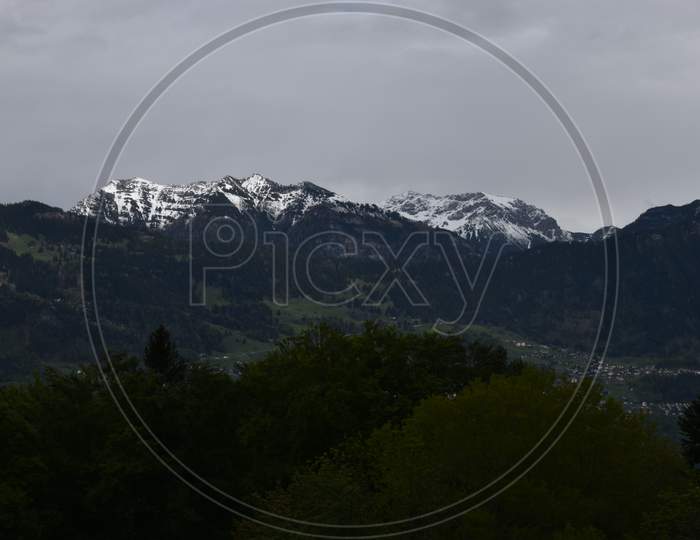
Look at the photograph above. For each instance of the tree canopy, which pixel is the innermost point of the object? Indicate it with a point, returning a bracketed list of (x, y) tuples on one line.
[(600, 480), (689, 425)]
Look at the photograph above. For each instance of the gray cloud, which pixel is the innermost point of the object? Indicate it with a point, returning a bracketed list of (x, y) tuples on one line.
[(365, 105)]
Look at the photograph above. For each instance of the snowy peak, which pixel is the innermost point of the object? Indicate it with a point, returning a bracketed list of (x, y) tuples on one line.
[(259, 187), (480, 216)]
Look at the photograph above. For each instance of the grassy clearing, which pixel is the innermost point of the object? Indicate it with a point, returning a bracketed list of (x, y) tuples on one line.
[(24, 244)]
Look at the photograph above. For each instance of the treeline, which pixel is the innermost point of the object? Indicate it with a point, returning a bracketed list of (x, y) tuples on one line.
[(339, 429)]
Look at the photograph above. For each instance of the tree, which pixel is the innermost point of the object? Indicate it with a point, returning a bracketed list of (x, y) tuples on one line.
[(599, 481), (676, 517), (689, 424), (324, 386), (161, 354), (70, 467)]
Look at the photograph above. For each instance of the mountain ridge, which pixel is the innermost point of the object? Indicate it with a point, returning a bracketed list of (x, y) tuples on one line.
[(476, 217), (137, 201)]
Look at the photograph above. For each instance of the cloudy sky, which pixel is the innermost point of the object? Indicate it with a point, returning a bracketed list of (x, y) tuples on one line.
[(365, 105)]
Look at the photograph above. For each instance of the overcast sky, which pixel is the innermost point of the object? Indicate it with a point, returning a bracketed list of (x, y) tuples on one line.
[(365, 105)]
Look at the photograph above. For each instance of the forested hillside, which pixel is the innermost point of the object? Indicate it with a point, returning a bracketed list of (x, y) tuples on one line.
[(551, 293)]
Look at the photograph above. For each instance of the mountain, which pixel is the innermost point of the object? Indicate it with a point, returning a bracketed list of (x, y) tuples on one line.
[(664, 217), (140, 202), (475, 217), (479, 216), (554, 292), (146, 275)]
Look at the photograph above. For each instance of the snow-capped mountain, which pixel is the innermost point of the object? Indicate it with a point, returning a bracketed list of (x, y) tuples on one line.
[(479, 216), (476, 217), (137, 201)]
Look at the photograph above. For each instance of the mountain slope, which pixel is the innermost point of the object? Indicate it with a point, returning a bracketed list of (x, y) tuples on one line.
[(552, 292)]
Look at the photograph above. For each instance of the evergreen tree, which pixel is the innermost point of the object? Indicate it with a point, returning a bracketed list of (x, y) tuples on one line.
[(689, 425), (161, 354)]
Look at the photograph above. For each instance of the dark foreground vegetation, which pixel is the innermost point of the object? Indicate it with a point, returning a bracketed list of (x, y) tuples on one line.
[(341, 429)]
